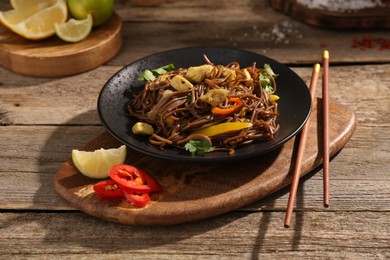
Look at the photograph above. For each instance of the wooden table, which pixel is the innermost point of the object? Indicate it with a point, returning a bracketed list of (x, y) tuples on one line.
[(43, 119)]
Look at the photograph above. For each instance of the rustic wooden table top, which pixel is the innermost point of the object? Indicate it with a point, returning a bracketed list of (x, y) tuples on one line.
[(43, 119)]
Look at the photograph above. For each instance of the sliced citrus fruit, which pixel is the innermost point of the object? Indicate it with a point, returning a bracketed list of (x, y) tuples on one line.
[(101, 10), (39, 25), (96, 164), (22, 4), (74, 30), (13, 17)]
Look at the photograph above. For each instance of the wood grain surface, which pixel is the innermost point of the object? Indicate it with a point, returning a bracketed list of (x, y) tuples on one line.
[(53, 57), (241, 235), (196, 191)]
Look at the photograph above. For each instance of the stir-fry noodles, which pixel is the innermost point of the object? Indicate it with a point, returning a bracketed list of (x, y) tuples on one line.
[(222, 107)]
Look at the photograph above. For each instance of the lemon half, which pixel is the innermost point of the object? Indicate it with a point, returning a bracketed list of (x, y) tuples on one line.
[(13, 17), (96, 164), (22, 4), (35, 25)]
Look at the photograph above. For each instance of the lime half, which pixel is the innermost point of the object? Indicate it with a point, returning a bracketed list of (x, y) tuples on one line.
[(74, 30), (96, 164)]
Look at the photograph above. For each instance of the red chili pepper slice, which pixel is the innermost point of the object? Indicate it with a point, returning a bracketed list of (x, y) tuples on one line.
[(154, 185), (237, 104), (130, 179), (139, 199), (108, 189)]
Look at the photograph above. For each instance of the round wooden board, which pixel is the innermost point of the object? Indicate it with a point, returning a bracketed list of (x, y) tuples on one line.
[(198, 191), (53, 57)]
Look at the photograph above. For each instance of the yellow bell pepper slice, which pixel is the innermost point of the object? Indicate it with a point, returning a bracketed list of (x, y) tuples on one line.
[(223, 128), (274, 97)]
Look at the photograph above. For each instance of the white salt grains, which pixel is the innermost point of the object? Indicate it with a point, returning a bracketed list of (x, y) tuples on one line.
[(340, 5)]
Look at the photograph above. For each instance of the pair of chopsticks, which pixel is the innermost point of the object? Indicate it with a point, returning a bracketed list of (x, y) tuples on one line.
[(303, 137)]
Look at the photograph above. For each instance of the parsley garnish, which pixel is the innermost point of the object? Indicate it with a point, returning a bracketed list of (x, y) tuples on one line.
[(153, 74), (199, 147)]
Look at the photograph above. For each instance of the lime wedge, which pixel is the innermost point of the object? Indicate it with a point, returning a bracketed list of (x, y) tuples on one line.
[(96, 164), (74, 30)]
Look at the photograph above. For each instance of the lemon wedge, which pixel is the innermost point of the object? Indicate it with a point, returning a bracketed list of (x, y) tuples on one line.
[(74, 30), (13, 17), (40, 24), (96, 164), (23, 4)]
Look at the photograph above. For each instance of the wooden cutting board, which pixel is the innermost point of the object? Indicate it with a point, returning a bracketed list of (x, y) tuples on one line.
[(347, 14), (53, 57), (199, 191)]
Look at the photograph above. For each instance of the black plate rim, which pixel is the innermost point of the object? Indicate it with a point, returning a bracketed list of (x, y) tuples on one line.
[(201, 159)]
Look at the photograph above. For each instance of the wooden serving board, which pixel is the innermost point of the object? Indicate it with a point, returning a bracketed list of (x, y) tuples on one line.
[(53, 57), (363, 18), (199, 191)]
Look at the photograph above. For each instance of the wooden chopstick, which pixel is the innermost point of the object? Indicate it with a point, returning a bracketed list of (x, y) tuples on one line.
[(301, 150), (325, 118)]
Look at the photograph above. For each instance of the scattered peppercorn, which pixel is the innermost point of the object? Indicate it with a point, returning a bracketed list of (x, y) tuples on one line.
[(369, 42)]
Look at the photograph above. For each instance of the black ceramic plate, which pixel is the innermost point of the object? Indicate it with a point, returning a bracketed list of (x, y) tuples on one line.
[(294, 103)]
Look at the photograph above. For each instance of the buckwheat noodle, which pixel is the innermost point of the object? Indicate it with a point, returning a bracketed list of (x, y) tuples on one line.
[(175, 115)]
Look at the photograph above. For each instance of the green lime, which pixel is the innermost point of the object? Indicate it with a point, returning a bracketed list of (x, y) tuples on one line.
[(100, 10)]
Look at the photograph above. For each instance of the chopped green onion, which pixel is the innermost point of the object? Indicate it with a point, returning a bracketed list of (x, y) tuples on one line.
[(266, 80), (153, 74)]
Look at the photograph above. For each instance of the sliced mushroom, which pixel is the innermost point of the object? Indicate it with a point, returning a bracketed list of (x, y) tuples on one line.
[(199, 73), (142, 128), (247, 74), (215, 96), (180, 83), (230, 72)]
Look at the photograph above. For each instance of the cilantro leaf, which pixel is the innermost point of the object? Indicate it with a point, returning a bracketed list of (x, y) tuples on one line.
[(199, 147), (153, 74)]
